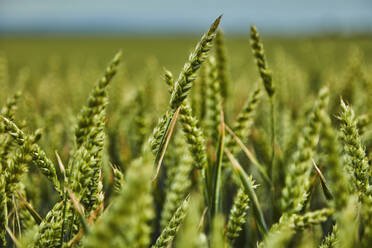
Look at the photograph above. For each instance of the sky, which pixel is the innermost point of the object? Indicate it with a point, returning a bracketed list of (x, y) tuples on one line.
[(187, 16)]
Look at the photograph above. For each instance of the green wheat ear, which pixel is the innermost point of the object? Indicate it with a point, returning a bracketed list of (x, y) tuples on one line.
[(84, 169), (184, 82), (356, 157), (190, 126), (297, 221), (182, 87), (238, 216), (96, 103), (357, 164), (265, 73), (132, 211), (249, 187), (29, 152), (336, 173), (8, 111), (194, 136), (281, 232), (331, 239), (259, 55), (118, 180)]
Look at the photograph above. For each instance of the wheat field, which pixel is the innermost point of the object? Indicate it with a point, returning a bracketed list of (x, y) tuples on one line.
[(211, 141)]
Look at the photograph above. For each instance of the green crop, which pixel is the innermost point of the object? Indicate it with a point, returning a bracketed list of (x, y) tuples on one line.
[(207, 159)]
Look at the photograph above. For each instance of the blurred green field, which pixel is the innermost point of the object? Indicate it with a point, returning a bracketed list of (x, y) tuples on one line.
[(314, 56), (171, 52)]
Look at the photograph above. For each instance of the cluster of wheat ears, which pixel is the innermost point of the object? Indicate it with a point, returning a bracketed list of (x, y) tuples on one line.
[(291, 180)]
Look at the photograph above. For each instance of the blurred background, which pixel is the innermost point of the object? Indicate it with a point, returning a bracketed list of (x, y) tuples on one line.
[(142, 17), (147, 28)]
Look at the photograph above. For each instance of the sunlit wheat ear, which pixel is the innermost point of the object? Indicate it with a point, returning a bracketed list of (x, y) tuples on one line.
[(184, 82), (132, 210), (191, 129), (118, 179), (249, 187), (357, 164), (265, 73), (281, 232), (298, 221), (159, 132), (84, 170), (194, 136), (29, 152), (336, 173), (169, 80), (182, 86), (356, 157), (96, 103), (331, 239), (50, 230), (259, 55), (238, 216), (8, 111)]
